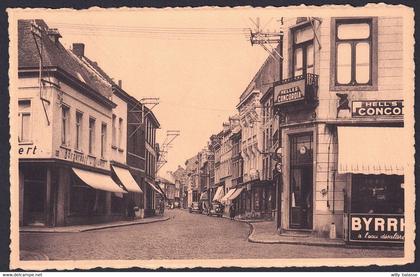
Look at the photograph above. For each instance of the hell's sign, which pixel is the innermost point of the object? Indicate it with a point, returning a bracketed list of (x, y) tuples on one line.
[(376, 228), (289, 92), (377, 108)]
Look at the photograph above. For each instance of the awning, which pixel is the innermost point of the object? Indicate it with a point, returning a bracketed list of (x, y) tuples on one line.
[(127, 179), (228, 194), (371, 150), (155, 188), (219, 194), (98, 180), (204, 196), (236, 194)]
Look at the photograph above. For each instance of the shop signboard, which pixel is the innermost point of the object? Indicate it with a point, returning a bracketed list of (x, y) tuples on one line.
[(376, 227), (377, 108), (78, 157), (289, 92)]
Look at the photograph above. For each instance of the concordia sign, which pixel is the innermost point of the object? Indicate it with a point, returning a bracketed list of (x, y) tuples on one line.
[(376, 228), (289, 92), (377, 108)]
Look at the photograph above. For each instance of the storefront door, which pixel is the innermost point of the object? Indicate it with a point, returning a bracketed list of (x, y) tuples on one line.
[(34, 196), (301, 181)]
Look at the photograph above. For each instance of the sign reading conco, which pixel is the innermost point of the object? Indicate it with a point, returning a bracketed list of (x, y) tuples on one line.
[(376, 228), (377, 108), (289, 92)]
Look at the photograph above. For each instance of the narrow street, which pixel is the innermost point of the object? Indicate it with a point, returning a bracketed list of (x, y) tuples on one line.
[(185, 236)]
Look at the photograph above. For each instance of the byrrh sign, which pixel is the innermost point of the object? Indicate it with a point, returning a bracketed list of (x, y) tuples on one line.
[(376, 228), (377, 108)]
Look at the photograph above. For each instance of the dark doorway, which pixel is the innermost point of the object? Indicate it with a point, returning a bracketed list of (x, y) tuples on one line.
[(301, 181), (34, 196)]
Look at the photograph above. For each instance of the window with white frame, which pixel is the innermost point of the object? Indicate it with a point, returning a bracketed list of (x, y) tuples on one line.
[(103, 140), (91, 135), (303, 51), (24, 121), (65, 125), (79, 120)]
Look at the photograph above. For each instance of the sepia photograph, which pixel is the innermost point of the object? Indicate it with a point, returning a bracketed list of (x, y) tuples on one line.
[(211, 137)]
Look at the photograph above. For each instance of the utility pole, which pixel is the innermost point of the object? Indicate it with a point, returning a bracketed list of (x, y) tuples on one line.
[(171, 135), (267, 39)]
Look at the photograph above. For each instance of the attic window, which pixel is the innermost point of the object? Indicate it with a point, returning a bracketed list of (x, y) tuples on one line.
[(80, 77)]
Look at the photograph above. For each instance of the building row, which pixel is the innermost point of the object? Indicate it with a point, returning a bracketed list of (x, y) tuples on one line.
[(87, 149), (315, 144)]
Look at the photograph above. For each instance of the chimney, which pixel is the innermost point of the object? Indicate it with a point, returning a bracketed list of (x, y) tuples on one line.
[(120, 83), (54, 34), (79, 49)]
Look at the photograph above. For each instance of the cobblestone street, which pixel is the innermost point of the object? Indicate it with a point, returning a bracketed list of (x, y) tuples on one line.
[(185, 236)]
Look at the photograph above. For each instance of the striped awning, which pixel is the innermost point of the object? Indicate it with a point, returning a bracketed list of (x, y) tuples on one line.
[(371, 150)]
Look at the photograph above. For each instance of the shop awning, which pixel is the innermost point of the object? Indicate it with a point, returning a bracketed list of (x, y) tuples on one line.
[(371, 150), (98, 180), (236, 194), (228, 194), (219, 194), (127, 179), (155, 188)]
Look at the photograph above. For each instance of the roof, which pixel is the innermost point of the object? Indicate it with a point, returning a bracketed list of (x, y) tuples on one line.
[(54, 55), (166, 177)]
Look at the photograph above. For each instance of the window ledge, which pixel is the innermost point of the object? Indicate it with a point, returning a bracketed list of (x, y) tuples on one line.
[(354, 88), (64, 146), (78, 151), (91, 156), (103, 159), (26, 143)]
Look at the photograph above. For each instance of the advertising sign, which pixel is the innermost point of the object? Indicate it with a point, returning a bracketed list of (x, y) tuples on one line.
[(376, 228), (377, 108), (289, 92), (76, 157)]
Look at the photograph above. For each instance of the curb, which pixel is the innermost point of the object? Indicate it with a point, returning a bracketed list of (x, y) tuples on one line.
[(87, 229)]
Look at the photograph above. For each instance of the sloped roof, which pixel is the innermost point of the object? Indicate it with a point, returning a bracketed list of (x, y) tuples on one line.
[(54, 55)]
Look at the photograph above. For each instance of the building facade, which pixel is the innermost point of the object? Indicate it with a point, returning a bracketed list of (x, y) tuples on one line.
[(340, 96)]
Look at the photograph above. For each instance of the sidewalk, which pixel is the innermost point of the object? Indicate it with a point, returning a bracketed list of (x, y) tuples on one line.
[(265, 232), (84, 228), (31, 256)]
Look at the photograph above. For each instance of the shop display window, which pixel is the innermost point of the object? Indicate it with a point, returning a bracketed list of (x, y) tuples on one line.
[(377, 194)]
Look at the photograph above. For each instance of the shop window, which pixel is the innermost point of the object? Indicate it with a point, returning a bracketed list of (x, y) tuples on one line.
[(91, 135), (303, 51), (24, 121), (79, 119), (65, 125), (354, 49), (117, 203), (377, 194), (84, 200)]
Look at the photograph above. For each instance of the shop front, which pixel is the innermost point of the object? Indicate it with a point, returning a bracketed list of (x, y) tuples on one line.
[(373, 158)]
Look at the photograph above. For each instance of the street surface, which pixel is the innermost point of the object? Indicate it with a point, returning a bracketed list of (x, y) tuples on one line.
[(186, 236)]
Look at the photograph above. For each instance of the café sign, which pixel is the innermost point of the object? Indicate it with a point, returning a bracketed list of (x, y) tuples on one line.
[(376, 228), (289, 92), (377, 108)]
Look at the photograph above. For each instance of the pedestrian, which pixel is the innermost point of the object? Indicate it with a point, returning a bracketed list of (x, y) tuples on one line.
[(232, 212)]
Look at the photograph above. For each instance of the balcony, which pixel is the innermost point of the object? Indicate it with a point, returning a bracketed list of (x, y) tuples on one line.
[(297, 91)]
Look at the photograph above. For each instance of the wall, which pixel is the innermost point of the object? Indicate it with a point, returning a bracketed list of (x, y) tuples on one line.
[(119, 151)]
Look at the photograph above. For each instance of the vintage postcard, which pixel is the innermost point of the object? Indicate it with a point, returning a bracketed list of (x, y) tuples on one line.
[(212, 137)]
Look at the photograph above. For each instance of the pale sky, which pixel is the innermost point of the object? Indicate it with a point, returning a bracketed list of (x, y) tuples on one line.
[(196, 68)]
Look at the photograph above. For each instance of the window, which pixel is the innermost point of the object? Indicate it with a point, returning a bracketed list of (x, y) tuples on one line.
[(303, 51), (103, 140), (114, 130), (24, 121), (355, 52), (79, 118), (91, 135), (120, 132), (65, 125)]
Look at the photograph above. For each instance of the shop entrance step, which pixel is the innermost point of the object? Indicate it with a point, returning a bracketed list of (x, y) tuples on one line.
[(302, 233)]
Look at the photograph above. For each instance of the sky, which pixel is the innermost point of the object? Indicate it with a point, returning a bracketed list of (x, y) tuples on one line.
[(196, 61)]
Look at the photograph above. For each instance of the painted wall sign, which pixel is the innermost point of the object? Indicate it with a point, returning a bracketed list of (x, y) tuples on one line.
[(376, 228), (289, 92), (377, 108), (70, 155)]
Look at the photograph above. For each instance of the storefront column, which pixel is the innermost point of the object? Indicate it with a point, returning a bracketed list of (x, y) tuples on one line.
[(108, 196), (47, 211), (62, 184)]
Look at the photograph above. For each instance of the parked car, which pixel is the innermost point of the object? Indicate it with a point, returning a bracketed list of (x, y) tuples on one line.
[(216, 209), (195, 208)]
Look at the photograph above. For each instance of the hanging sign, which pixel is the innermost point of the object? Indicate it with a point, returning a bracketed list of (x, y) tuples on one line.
[(377, 108), (376, 228), (289, 92)]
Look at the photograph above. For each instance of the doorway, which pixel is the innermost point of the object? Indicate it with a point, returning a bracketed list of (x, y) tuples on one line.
[(301, 181), (34, 196)]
